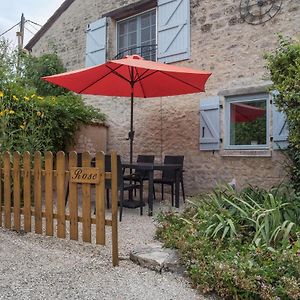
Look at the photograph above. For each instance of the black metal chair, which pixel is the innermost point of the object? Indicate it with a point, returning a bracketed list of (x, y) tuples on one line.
[(168, 176), (121, 185), (139, 175)]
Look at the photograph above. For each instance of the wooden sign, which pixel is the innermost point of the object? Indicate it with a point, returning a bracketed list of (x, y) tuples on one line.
[(85, 175)]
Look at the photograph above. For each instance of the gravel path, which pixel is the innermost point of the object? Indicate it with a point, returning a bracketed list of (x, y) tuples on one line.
[(39, 267)]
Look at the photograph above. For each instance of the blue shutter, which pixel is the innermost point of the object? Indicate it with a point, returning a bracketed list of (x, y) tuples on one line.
[(210, 123), (173, 30), (96, 43), (280, 128)]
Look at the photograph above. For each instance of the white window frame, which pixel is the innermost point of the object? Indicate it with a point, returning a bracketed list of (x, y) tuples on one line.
[(134, 16), (246, 98)]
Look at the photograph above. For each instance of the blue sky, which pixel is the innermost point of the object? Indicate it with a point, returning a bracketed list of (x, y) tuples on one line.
[(38, 11)]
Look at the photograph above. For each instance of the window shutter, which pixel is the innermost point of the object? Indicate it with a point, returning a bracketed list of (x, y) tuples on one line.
[(96, 43), (173, 30), (210, 123), (280, 128)]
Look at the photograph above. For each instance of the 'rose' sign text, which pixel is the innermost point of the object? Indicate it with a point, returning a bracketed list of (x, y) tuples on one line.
[(85, 175)]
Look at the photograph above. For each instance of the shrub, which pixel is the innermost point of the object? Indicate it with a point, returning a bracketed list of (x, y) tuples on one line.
[(284, 67), (223, 242), (36, 115), (29, 122)]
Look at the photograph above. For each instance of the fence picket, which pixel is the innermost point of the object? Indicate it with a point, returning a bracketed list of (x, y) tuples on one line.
[(7, 190), (100, 200), (17, 191), (27, 192), (73, 200), (37, 193), (86, 202), (114, 207), (1, 191), (60, 189), (49, 192)]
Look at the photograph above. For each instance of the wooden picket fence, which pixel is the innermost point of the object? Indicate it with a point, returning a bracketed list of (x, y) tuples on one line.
[(36, 191)]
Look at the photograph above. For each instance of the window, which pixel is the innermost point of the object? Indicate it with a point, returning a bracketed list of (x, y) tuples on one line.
[(246, 122), (138, 35)]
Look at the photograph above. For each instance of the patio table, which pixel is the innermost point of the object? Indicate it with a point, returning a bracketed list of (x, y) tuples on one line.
[(150, 168)]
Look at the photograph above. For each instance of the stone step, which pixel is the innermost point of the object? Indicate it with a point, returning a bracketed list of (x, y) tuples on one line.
[(153, 256)]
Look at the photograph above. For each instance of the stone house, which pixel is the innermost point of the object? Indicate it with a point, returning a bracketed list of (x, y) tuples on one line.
[(231, 131)]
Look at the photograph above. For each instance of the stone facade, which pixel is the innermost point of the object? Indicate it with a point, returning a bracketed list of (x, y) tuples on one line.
[(220, 42), (91, 137)]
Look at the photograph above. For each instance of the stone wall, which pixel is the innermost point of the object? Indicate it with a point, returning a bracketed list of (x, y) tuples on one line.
[(220, 42), (91, 137)]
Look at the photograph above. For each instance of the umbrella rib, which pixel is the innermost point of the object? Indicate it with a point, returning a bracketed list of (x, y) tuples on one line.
[(139, 76), (187, 83), (140, 82), (118, 74), (112, 70), (142, 78)]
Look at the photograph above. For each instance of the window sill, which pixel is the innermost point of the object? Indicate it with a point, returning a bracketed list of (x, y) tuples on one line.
[(246, 153)]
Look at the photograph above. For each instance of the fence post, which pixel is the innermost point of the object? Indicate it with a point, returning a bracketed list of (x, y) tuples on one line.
[(1, 157), (86, 202), (100, 200), (60, 188), (49, 192), (17, 191), (27, 192), (37, 193), (114, 208), (73, 200), (7, 190)]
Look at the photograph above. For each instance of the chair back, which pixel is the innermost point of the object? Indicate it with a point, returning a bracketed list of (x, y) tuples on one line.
[(144, 159), (108, 169), (169, 175)]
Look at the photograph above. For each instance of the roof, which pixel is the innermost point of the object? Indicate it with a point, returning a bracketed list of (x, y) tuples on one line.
[(48, 24)]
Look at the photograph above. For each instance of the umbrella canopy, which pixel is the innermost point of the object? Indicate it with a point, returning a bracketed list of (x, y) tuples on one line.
[(132, 76)]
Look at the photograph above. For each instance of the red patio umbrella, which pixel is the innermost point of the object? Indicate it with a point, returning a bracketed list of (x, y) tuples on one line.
[(132, 76)]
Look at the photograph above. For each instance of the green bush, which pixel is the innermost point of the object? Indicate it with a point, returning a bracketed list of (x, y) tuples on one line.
[(239, 245), (284, 67), (29, 122), (36, 115)]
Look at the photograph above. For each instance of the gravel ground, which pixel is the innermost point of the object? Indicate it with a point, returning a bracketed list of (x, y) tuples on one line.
[(40, 267)]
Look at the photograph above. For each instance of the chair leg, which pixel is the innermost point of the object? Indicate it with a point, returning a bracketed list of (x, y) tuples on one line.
[(121, 203), (172, 194), (182, 188), (141, 197), (162, 191), (107, 198), (154, 196)]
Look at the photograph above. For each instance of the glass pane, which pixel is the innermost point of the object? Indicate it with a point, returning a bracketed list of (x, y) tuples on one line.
[(122, 28), (153, 32), (248, 124), (145, 35), (122, 43), (145, 20), (132, 25), (153, 17), (132, 39)]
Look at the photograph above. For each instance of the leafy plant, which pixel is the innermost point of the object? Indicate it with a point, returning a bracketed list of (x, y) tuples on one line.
[(242, 245), (28, 120), (284, 67)]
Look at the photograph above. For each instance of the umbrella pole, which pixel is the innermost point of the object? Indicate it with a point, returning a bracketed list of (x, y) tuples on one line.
[(131, 134)]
